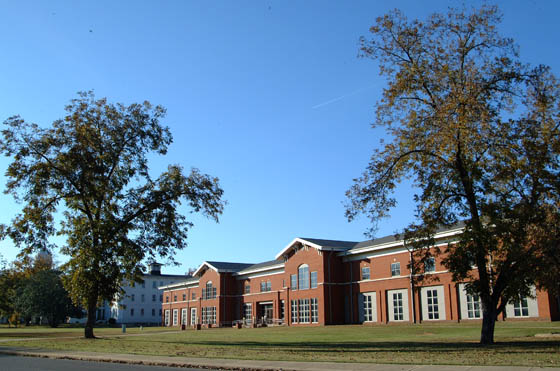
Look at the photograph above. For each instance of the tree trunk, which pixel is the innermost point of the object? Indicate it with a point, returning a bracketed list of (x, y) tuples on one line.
[(91, 311), (488, 324)]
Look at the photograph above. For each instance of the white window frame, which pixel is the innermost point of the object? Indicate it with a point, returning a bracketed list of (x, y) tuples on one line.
[(194, 318), (184, 316), (430, 265), (395, 269), (428, 302), (314, 279), (398, 306), (166, 320), (304, 307), (175, 317), (303, 277), (365, 273), (314, 310), (473, 306), (293, 281), (405, 303), (294, 311), (368, 307)]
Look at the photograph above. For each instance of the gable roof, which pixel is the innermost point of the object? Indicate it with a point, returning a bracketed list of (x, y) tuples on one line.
[(222, 267), (319, 244)]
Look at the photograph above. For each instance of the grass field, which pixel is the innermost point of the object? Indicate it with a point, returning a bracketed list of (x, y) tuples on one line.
[(516, 343)]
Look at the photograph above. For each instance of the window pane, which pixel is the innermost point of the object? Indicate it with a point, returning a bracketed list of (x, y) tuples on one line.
[(313, 279), (303, 275)]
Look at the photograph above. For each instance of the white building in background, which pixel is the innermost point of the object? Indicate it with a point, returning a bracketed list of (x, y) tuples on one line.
[(141, 302)]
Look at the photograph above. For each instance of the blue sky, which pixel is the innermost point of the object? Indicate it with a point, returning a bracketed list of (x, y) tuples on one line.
[(269, 96)]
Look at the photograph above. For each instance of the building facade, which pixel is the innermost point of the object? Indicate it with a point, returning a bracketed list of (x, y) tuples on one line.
[(324, 282), (141, 303)]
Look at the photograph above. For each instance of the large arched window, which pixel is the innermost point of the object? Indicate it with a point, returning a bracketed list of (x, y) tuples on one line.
[(303, 276), (209, 292)]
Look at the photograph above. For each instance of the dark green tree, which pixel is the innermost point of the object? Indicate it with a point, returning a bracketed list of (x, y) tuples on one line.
[(43, 295), (478, 132), (87, 178)]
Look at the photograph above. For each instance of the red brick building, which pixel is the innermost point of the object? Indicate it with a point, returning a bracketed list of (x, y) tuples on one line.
[(323, 282)]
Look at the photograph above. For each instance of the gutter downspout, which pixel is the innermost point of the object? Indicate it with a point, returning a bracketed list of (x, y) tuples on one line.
[(330, 287), (412, 286)]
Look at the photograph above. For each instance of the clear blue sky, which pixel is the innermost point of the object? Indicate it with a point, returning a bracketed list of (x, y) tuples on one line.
[(269, 96)]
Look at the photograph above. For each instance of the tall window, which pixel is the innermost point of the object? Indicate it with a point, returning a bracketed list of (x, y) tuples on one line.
[(153, 312), (303, 275), (521, 308), (473, 306), (184, 316), (368, 308), (143, 284), (248, 312), (132, 297), (154, 284), (184, 297), (430, 265), (293, 281), (395, 269), (166, 317), (132, 312), (175, 315), (209, 315), (247, 289), (263, 286), (154, 297), (314, 310), (268, 286), (304, 310), (294, 311), (398, 314), (193, 296), (365, 273), (209, 292), (142, 312), (282, 309), (313, 279), (433, 305)]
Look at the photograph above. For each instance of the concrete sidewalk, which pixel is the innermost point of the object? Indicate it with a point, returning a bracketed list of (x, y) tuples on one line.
[(237, 364)]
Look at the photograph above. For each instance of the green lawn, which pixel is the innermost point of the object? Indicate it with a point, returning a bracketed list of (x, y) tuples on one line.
[(416, 344)]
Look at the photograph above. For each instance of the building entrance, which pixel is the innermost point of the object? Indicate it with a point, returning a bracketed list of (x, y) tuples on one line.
[(266, 312)]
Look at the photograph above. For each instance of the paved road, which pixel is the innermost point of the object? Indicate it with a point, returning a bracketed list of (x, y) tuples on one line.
[(19, 363)]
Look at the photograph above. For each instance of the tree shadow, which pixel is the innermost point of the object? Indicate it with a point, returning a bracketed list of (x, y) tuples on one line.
[(386, 347)]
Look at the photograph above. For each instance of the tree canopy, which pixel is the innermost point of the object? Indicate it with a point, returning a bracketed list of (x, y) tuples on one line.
[(87, 178), (478, 132), (43, 295)]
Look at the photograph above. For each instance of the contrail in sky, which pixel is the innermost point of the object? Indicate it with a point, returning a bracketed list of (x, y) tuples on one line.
[(341, 97)]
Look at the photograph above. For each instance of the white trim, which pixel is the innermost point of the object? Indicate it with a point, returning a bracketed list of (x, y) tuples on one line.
[(398, 243), (256, 275), (178, 286), (307, 243), (375, 253), (202, 265)]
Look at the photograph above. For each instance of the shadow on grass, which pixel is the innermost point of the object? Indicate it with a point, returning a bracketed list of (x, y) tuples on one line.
[(380, 347), (36, 334)]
